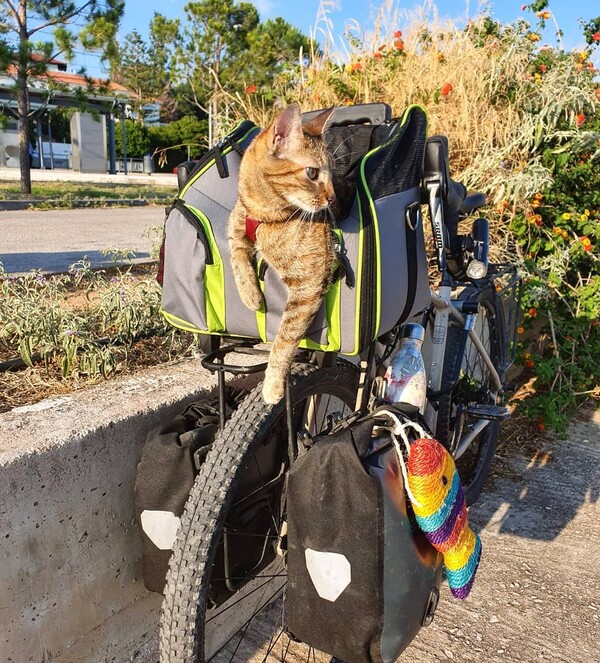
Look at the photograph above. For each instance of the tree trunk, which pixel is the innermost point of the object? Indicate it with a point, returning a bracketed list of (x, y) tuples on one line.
[(23, 99)]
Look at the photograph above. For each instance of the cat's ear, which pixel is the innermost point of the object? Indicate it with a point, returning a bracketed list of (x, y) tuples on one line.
[(316, 126), (286, 130)]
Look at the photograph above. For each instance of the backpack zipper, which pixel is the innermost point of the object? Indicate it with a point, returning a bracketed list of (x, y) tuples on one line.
[(201, 233)]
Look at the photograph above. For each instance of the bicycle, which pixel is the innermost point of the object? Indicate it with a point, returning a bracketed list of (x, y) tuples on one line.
[(228, 565)]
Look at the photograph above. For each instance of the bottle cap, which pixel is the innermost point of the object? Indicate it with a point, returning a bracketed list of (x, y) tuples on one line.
[(413, 330)]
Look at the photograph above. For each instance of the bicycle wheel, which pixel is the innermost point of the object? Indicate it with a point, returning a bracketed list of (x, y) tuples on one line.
[(474, 386), (228, 563)]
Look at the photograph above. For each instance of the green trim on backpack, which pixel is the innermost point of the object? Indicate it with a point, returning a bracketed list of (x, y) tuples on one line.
[(363, 178), (214, 279), (261, 314), (211, 163)]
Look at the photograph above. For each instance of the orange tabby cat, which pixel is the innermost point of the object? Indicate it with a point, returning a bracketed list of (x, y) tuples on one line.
[(285, 191)]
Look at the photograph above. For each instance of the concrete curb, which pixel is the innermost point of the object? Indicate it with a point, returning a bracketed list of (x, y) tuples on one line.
[(70, 551), (16, 205)]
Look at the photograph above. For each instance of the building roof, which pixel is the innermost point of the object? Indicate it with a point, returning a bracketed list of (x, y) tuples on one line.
[(69, 79)]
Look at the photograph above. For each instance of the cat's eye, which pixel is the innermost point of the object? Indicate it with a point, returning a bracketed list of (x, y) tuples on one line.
[(312, 173)]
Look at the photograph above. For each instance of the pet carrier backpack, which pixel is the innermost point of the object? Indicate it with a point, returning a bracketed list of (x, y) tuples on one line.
[(379, 237)]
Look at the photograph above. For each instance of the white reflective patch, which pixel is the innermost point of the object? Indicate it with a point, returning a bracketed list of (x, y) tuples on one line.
[(330, 573), (161, 528)]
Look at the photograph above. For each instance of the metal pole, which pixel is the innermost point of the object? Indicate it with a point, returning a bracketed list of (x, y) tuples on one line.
[(50, 140), (124, 134), (38, 125), (112, 147)]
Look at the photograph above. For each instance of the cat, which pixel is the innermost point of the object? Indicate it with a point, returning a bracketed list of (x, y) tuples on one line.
[(285, 193)]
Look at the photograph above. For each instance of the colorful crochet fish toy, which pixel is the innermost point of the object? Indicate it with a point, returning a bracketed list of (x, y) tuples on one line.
[(434, 488)]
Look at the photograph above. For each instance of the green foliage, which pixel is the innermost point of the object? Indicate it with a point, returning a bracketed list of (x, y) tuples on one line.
[(559, 235), (138, 139), (178, 141), (144, 67), (83, 322)]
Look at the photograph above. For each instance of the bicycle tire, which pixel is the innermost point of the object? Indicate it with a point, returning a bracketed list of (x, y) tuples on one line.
[(214, 496), (474, 465)]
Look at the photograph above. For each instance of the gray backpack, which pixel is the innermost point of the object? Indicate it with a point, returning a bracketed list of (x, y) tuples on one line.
[(382, 279)]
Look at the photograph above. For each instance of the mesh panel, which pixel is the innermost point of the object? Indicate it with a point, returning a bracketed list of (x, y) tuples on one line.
[(399, 165), (347, 146)]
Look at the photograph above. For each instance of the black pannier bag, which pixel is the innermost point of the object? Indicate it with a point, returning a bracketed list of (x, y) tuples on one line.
[(171, 458), (362, 578), (377, 175)]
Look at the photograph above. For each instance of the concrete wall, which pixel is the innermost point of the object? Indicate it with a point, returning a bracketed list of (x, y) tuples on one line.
[(88, 141), (70, 552)]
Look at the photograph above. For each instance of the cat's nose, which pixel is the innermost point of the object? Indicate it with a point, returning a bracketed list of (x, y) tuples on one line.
[(331, 198)]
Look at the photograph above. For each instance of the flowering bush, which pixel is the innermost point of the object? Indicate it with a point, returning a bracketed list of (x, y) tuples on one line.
[(523, 124)]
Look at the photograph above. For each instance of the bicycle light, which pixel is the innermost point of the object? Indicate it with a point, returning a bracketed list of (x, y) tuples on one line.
[(476, 269), (478, 265)]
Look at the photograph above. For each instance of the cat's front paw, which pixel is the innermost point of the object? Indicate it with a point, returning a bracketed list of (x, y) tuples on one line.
[(251, 297), (273, 390)]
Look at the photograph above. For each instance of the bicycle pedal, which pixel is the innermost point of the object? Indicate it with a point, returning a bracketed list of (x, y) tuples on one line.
[(489, 412)]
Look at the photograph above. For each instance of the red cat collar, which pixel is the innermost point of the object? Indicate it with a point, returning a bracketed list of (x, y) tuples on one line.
[(251, 227)]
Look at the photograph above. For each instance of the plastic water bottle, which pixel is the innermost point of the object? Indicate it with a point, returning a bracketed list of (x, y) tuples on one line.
[(405, 379)]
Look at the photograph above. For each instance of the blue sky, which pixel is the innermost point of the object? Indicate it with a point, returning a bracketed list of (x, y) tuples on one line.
[(303, 13)]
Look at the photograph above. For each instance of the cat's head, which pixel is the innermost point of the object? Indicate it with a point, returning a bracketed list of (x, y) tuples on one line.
[(298, 163)]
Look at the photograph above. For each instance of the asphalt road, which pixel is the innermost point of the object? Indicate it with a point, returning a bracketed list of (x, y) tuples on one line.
[(53, 240)]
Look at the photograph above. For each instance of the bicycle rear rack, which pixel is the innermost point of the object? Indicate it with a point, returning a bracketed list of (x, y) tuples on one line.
[(215, 362)]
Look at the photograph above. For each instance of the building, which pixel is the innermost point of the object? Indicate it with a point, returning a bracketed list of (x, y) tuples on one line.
[(61, 88)]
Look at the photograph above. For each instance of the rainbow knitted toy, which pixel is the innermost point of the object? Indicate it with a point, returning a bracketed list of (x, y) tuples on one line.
[(441, 512)]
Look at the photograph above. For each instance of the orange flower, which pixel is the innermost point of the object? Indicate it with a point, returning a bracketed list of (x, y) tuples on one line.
[(596, 37), (399, 44), (532, 312), (251, 89), (545, 15), (530, 364), (397, 34), (580, 119), (598, 93), (377, 55), (446, 89), (532, 36), (520, 330), (357, 66), (587, 244)]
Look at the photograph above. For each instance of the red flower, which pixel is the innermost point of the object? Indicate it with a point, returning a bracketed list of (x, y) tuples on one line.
[(251, 89), (541, 426), (580, 119), (596, 37), (446, 89), (530, 364), (532, 312), (397, 34), (543, 68), (357, 66), (377, 55), (399, 44)]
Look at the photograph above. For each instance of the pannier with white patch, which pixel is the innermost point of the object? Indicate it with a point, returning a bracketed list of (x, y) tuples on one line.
[(382, 278), (362, 577)]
